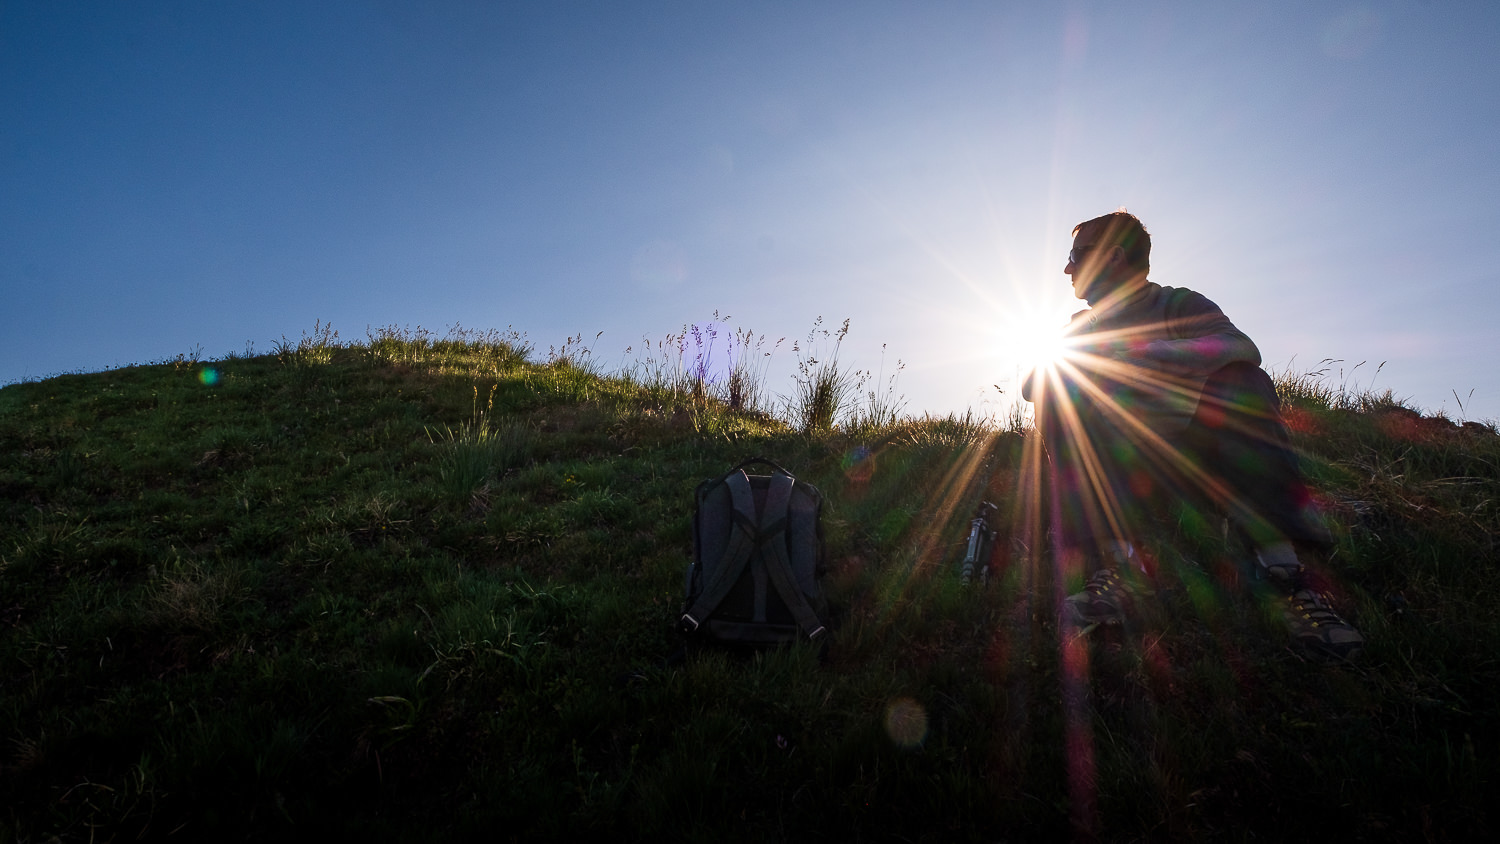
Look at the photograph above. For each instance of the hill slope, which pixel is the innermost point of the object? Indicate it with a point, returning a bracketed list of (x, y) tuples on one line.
[(414, 590)]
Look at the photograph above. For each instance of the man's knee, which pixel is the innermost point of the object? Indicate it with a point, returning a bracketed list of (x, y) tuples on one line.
[(1240, 389)]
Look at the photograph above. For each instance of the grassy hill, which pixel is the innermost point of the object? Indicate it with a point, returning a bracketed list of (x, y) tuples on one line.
[(412, 589)]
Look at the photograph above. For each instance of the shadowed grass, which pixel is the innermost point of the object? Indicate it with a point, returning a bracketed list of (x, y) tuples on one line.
[(423, 588)]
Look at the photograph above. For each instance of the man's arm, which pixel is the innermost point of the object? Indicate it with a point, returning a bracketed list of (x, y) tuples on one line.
[(1203, 339), (1026, 385), (1203, 355)]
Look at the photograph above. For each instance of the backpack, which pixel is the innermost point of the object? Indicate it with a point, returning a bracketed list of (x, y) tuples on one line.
[(757, 557)]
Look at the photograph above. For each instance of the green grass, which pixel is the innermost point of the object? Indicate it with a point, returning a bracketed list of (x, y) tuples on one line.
[(423, 588)]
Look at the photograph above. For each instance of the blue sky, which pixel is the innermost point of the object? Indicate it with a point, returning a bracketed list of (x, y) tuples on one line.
[(177, 175)]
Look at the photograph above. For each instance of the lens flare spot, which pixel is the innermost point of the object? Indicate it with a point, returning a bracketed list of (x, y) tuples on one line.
[(708, 352), (906, 722), (858, 464), (208, 376)]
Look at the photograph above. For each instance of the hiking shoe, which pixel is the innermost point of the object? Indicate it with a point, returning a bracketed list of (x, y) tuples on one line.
[(1282, 564), (1287, 578), (1106, 599), (1318, 628)]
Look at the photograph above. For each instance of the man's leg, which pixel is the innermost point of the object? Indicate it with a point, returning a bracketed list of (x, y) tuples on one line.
[(1095, 503), (1257, 478), (1238, 430)]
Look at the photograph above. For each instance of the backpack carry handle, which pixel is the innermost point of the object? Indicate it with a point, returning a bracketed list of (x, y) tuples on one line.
[(711, 484), (764, 461)]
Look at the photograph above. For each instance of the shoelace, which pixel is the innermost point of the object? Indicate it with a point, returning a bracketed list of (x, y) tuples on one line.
[(1314, 608), (1103, 581)]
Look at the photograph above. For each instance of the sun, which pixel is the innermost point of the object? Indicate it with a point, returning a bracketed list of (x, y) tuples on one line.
[(1033, 343)]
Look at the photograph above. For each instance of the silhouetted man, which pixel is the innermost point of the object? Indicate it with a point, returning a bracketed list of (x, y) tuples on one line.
[(1162, 397)]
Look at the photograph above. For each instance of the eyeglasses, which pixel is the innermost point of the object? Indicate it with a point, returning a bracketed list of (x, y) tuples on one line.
[(1075, 256)]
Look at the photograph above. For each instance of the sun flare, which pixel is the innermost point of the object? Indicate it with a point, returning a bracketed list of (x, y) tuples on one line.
[(1035, 344)]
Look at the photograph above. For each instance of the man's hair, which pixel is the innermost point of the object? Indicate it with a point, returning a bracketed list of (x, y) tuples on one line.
[(1123, 229)]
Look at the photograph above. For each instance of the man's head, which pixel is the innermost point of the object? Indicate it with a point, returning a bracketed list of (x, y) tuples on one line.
[(1110, 253)]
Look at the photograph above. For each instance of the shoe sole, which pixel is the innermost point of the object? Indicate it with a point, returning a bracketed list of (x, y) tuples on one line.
[(1323, 652)]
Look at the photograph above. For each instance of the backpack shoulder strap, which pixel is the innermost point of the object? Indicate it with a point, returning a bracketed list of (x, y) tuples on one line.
[(772, 540), (742, 540)]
